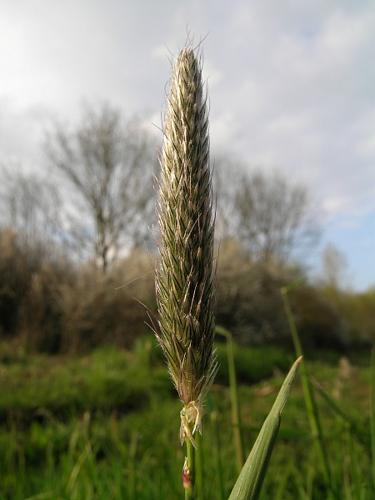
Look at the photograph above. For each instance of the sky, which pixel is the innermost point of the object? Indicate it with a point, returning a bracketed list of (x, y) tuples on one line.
[(291, 87)]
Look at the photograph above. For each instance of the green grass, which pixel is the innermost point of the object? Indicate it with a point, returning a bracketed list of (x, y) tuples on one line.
[(64, 386), (103, 426)]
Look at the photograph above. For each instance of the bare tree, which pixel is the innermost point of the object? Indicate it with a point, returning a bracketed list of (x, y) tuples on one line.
[(225, 186), (267, 213), (109, 168), (31, 206), (334, 266)]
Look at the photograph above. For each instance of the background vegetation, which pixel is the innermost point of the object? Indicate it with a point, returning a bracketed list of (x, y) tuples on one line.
[(86, 408)]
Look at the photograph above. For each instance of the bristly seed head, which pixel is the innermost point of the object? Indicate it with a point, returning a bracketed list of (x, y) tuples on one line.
[(184, 278)]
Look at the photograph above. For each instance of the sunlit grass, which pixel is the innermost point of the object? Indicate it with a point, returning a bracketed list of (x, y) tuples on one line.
[(104, 446)]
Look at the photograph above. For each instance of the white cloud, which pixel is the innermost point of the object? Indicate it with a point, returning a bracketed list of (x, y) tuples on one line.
[(292, 84)]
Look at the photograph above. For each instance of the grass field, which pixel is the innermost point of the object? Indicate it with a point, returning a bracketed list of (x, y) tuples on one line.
[(105, 425)]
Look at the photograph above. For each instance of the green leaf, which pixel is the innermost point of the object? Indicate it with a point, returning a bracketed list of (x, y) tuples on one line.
[(372, 414), (356, 429), (250, 480)]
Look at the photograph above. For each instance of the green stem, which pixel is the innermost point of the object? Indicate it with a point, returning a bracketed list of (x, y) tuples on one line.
[(199, 466), (372, 415), (235, 406), (355, 429), (132, 465), (189, 474), (219, 463), (311, 407)]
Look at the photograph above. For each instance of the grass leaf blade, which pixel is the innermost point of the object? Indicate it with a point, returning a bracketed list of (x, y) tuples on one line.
[(249, 482)]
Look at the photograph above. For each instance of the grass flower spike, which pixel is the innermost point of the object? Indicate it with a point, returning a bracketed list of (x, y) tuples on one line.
[(184, 278)]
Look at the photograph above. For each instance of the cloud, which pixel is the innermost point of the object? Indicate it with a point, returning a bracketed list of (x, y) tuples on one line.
[(302, 104), (292, 84)]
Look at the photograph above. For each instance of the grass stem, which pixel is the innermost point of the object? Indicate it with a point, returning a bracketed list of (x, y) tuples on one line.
[(372, 415), (188, 475), (310, 403), (233, 389), (219, 462), (199, 467)]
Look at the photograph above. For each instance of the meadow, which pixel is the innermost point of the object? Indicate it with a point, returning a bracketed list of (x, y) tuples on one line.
[(90, 404), (103, 425)]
